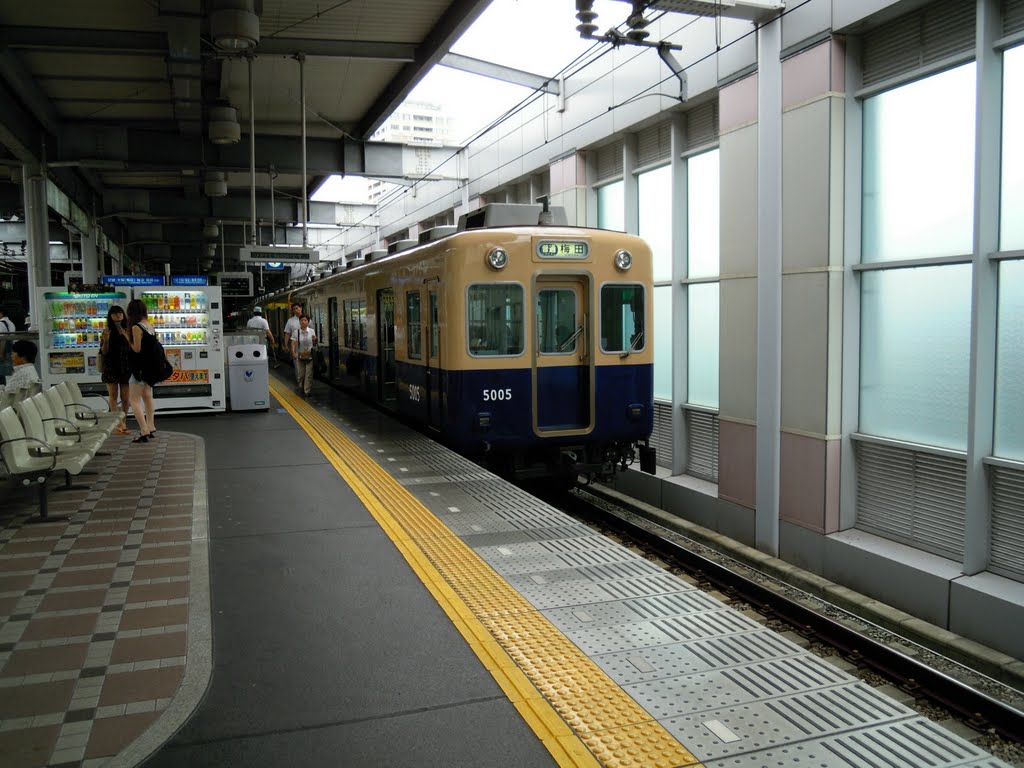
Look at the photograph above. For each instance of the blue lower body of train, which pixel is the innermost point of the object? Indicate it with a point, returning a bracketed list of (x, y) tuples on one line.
[(491, 413)]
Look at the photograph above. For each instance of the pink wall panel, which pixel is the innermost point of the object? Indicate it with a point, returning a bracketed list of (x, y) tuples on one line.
[(737, 456)]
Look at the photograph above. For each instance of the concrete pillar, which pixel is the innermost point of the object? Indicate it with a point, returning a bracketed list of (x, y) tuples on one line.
[(90, 261), (37, 230)]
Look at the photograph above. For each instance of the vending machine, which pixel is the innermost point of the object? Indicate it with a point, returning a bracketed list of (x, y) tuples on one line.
[(71, 326), (188, 321)]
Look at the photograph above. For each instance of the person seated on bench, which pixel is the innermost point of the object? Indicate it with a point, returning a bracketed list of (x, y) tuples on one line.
[(23, 356)]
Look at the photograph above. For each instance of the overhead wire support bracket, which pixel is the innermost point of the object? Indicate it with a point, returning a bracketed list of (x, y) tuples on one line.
[(665, 48)]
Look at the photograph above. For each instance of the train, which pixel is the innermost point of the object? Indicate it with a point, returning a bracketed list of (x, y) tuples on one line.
[(524, 345)]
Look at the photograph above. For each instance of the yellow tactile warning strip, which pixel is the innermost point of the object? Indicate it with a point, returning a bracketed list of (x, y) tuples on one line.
[(582, 716)]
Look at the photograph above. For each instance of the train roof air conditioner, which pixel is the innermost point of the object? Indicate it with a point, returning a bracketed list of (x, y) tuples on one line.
[(436, 233), (510, 215), (401, 245)]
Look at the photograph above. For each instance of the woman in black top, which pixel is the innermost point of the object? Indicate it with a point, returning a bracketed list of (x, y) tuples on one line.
[(139, 392), (114, 347)]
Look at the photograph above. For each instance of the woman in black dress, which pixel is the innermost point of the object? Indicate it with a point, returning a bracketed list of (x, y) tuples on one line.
[(114, 347)]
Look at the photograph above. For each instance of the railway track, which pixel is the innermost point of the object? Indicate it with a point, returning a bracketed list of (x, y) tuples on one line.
[(992, 712)]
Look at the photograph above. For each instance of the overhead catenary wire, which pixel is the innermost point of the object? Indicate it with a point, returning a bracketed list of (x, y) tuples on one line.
[(395, 195)]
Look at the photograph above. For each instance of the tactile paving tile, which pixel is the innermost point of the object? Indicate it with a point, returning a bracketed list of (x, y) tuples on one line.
[(915, 742), (626, 667), (555, 595), (633, 611), (766, 724)]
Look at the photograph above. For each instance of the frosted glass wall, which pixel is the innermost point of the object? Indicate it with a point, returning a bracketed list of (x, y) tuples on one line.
[(1011, 229), (918, 175), (915, 351), (702, 324), (663, 342), (655, 202), (611, 212), (1009, 435), (702, 207)]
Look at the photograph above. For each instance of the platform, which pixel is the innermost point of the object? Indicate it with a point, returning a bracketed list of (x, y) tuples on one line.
[(377, 600)]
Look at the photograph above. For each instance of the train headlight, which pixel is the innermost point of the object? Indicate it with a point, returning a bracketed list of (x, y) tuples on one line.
[(497, 258), (623, 260)]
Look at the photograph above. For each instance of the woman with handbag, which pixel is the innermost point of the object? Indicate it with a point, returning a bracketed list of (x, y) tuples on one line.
[(303, 346), (114, 347), (140, 393)]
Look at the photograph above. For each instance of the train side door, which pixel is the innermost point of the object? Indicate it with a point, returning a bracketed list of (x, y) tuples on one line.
[(563, 363), (332, 339), (386, 346), (433, 380)]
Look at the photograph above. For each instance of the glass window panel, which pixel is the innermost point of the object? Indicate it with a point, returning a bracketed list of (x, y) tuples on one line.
[(918, 175), (914, 355), (415, 340), (702, 340), (495, 320), (663, 342), (1011, 229), (702, 213), (556, 322), (611, 206), (1009, 437), (622, 318), (435, 327), (655, 193)]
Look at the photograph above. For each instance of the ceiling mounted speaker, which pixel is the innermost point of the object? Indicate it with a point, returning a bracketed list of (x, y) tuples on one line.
[(234, 26), (210, 231), (215, 184), (223, 127)]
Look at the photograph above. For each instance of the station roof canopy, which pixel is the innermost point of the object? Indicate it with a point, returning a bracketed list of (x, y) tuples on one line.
[(132, 104)]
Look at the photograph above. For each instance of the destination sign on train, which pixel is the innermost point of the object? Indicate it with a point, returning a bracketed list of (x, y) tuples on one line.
[(280, 253), (563, 249)]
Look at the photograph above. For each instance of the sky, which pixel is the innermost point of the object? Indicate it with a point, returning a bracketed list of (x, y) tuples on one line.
[(536, 36)]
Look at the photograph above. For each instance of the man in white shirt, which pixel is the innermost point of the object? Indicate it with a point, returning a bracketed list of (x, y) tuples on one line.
[(291, 328), (259, 322), (6, 324), (23, 355)]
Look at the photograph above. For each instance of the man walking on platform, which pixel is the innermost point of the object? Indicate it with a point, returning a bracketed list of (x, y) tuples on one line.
[(288, 334), (303, 344)]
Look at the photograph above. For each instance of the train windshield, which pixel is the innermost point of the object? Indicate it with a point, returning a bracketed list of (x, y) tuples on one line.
[(622, 318), (494, 315)]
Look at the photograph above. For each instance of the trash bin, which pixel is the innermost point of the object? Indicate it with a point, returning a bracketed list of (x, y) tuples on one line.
[(248, 377)]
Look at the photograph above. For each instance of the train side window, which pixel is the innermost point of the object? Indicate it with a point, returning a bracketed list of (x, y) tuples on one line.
[(414, 330), (556, 321), (494, 319), (622, 318)]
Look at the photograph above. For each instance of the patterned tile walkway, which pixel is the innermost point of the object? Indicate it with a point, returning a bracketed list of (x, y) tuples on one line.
[(96, 611)]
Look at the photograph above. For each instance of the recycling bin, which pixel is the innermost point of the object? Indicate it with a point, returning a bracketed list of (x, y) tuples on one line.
[(248, 377)]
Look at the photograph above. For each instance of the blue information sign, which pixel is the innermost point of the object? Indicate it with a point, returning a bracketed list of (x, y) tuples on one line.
[(189, 280), (132, 280)]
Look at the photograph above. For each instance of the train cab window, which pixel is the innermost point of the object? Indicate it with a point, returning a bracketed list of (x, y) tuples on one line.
[(556, 322), (622, 318), (413, 328), (494, 319)]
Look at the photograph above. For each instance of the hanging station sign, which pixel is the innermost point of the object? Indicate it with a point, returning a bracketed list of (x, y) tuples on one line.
[(236, 284), (279, 253)]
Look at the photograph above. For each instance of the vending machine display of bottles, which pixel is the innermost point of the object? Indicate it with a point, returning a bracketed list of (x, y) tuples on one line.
[(77, 320), (180, 318)]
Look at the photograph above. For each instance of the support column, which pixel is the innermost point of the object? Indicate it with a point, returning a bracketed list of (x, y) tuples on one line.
[(630, 185), (984, 297), (37, 230), (90, 266), (680, 305), (769, 283)]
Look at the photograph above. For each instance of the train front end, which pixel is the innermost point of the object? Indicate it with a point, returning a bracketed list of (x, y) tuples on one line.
[(554, 376)]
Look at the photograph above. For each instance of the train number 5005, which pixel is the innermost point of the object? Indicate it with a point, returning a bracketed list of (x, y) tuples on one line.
[(498, 394)]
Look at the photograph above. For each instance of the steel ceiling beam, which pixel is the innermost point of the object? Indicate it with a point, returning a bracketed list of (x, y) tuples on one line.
[(99, 41), (498, 72), (383, 50)]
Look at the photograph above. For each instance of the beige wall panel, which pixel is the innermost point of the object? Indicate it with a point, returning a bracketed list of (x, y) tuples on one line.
[(737, 463), (837, 180), (737, 374), (802, 474), (805, 332), (807, 75), (737, 104), (806, 185), (737, 161)]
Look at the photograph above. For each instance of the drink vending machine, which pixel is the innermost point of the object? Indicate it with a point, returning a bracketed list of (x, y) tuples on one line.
[(69, 334), (187, 321)]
